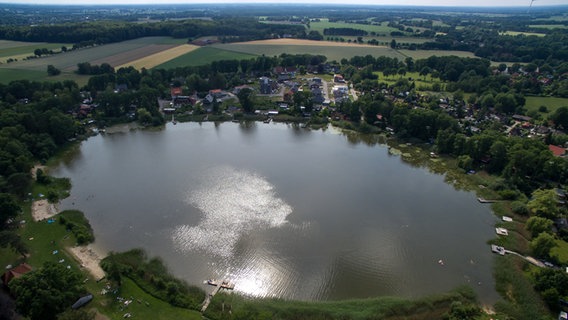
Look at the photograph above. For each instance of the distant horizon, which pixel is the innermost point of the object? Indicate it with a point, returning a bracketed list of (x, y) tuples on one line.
[(378, 3)]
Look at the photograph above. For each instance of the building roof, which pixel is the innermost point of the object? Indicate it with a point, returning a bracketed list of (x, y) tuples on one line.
[(557, 151), (16, 272)]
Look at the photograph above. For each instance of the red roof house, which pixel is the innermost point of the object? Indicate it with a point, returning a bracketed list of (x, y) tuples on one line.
[(15, 272), (557, 151)]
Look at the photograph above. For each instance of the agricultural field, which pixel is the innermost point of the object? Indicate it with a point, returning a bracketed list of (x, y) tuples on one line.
[(516, 33), (333, 50), (114, 54), (423, 54), (551, 103), (153, 60), (548, 26), (20, 50), (382, 29), (204, 55)]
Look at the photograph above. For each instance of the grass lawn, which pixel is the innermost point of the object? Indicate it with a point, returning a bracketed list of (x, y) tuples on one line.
[(8, 75), (204, 55), (143, 306), (561, 251), (551, 103)]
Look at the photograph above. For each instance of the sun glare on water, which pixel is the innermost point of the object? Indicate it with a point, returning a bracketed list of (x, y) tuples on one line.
[(233, 202)]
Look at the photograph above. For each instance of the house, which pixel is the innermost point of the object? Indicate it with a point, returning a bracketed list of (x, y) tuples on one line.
[(557, 151), (16, 272), (519, 117), (267, 85), (175, 91), (238, 89), (338, 78)]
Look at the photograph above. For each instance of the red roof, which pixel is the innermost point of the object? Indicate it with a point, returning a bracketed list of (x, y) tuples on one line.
[(176, 91), (16, 272), (557, 151)]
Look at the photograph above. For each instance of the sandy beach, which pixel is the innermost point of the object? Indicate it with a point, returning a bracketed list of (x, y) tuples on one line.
[(42, 209), (89, 260)]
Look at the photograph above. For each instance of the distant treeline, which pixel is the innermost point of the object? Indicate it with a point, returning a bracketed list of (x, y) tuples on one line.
[(552, 47), (83, 34), (344, 32)]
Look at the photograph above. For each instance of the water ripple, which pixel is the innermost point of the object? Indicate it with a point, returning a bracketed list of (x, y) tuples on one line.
[(233, 202)]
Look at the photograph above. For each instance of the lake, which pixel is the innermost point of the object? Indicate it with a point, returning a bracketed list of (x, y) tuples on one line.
[(282, 211)]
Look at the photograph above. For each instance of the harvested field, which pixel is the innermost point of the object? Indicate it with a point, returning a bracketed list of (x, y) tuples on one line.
[(153, 60), (114, 54)]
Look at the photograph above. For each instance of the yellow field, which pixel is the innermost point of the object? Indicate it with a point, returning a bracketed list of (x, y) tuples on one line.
[(153, 60)]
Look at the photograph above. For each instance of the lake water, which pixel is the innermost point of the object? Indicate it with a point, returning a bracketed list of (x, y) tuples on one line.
[(282, 211)]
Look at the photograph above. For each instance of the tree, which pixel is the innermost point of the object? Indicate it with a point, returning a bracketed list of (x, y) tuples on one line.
[(537, 225), (544, 203), (9, 207), (393, 44), (45, 293), (246, 99), (542, 245), (52, 70), (13, 240)]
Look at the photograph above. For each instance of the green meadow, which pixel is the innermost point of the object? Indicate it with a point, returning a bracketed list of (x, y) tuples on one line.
[(342, 50), (325, 24), (551, 103), (203, 56)]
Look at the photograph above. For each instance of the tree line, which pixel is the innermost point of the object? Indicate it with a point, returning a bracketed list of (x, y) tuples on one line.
[(99, 32)]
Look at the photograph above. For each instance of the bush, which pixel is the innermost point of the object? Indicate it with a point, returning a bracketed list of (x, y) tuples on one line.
[(76, 222), (508, 194), (520, 208)]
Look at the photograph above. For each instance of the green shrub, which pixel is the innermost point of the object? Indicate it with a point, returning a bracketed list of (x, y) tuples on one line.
[(76, 222)]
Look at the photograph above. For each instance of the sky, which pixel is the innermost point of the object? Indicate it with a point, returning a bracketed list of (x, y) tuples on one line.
[(449, 3)]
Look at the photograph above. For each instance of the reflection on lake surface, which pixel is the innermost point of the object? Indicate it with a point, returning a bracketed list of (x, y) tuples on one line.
[(282, 211)]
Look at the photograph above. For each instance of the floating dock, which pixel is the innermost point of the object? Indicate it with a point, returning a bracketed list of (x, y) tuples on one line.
[(223, 284)]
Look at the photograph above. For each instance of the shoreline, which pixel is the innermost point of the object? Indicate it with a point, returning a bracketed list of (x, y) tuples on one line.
[(89, 259)]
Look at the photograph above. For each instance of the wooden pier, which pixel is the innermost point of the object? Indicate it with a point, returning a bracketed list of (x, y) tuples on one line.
[(218, 286), (486, 200)]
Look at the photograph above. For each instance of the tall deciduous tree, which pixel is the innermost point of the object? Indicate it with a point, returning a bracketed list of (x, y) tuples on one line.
[(544, 203), (246, 99), (45, 293), (542, 245)]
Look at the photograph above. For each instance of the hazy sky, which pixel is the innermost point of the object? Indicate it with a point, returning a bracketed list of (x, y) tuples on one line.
[(476, 3)]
